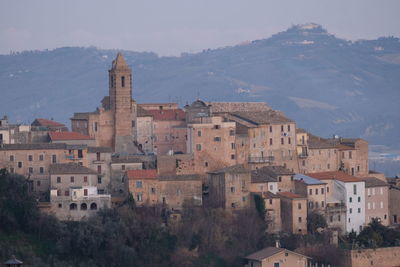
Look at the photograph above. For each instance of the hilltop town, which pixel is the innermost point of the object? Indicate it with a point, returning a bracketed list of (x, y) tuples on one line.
[(231, 156)]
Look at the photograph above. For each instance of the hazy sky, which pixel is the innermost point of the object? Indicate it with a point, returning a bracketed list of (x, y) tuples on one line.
[(170, 27)]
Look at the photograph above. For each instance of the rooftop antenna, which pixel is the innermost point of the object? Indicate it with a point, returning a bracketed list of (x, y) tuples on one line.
[(198, 94)]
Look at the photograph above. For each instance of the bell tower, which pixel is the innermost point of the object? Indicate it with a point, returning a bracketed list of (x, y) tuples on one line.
[(121, 105)]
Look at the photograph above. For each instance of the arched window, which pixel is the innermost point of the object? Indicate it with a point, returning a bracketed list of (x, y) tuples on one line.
[(83, 206), (122, 81), (93, 206), (73, 206)]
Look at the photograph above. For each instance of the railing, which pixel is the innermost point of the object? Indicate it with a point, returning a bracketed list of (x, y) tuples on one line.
[(261, 159)]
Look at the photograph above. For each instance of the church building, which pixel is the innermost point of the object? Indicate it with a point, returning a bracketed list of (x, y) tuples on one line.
[(114, 123)]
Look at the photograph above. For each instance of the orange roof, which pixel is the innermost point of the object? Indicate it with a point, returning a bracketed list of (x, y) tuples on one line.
[(290, 195), (340, 176), (60, 136), (44, 122), (167, 115), (142, 174)]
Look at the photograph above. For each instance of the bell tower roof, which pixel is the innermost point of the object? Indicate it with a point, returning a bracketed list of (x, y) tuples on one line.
[(119, 62)]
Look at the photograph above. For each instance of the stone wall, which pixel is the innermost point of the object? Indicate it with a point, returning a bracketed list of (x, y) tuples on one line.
[(381, 257)]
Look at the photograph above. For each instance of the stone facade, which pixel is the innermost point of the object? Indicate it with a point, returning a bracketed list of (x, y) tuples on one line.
[(376, 200), (382, 257), (74, 193), (212, 142), (229, 188), (294, 213), (273, 216), (114, 124)]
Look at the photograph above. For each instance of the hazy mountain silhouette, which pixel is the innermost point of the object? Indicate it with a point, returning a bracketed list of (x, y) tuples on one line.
[(328, 85)]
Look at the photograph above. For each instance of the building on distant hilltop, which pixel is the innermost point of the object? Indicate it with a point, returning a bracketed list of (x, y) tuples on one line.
[(145, 131), (74, 193), (294, 213), (114, 124)]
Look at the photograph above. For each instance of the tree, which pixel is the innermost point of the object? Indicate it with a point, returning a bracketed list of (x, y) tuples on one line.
[(315, 221)]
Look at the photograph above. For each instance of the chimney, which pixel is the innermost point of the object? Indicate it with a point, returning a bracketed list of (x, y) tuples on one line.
[(277, 244)]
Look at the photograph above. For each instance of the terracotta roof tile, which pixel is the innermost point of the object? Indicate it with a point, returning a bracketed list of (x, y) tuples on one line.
[(337, 175), (45, 122), (142, 174), (61, 136)]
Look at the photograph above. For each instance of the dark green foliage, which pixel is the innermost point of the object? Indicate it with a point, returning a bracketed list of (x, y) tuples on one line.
[(315, 221), (373, 236), (260, 206)]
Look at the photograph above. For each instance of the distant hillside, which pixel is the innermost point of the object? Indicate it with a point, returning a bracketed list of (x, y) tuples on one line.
[(328, 85)]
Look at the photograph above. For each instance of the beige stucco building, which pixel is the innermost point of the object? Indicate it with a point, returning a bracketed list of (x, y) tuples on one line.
[(376, 200), (294, 213), (276, 257)]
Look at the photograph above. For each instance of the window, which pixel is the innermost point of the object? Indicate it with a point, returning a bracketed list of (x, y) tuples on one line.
[(322, 191), (58, 180), (270, 129), (351, 211), (11, 170), (83, 206), (73, 206), (233, 145), (329, 166), (299, 219), (139, 184), (38, 183), (41, 170), (198, 147), (270, 141), (316, 191), (99, 180), (216, 127), (233, 189), (280, 178), (85, 192), (93, 206), (359, 199), (72, 179), (288, 128), (54, 159), (350, 199), (289, 140), (359, 210), (217, 139), (354, 189), (232, 156), (98, 156), (30, 170), (282, 128), (80, 153), (327, 189), (291, 178), (303, 163), (11, 157), (310, 191), (19, 164), (98, 168), (123, 167), (206, 164), (299, 206), (133, 124), (41, 157), (338, 218), (66, 193), (122, 81), (198, 133), (282, 141), (30, 158), (270, 201), (231, 132), (310, 204), (153, 190), (358, 168), (350, 156), (139, 197), (58, 193), (322, 204), (85, 179)]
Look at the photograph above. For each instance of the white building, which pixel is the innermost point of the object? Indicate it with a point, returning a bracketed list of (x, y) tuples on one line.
[(350, 191)]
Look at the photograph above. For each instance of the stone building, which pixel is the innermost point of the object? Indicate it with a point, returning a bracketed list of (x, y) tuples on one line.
[(74, 193), (169, 130), (283, 176), (178, 164), (148, 188), (212, 142), (348, 190), (394, 200), (294, 213), (99, 160), (376, 200), (271, 138), (276, 257), (273, 217), (229, 187), (114, 124), (263, 181), (314, 190), (144, 134)]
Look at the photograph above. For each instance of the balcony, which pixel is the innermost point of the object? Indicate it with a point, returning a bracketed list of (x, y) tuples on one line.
[(268, 159), (303, 155)]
